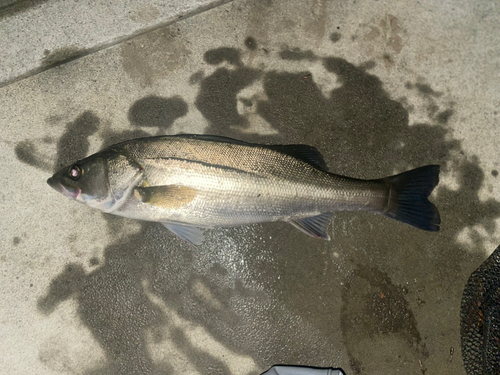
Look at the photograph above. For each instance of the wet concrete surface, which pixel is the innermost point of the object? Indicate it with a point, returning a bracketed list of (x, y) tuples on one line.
[(372, 86)]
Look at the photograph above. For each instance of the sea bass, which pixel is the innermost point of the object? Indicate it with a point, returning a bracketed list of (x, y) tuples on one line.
[(187, 182)]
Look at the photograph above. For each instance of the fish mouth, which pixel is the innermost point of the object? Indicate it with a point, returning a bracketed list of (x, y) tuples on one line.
[(68, 191)]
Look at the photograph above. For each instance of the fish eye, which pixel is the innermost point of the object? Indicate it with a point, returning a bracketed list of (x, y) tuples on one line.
[(75, 172)]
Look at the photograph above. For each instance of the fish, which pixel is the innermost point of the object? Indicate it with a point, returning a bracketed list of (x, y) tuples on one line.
[(190, 182)]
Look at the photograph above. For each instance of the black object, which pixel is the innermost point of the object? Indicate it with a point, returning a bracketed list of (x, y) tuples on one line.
[(480, 319)]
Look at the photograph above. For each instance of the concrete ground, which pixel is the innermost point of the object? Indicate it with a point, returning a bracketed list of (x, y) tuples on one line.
[(378, 87)]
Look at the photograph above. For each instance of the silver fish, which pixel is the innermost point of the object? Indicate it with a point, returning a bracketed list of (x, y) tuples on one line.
[(187, 182)]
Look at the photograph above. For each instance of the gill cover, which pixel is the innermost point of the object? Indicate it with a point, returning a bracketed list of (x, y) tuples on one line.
[(123, 176)]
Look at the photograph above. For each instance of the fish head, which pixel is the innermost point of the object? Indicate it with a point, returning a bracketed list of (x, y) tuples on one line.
[(85, 181), (103, 180)]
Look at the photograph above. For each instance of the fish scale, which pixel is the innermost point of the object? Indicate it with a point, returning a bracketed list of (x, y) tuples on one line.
[(231, 197)]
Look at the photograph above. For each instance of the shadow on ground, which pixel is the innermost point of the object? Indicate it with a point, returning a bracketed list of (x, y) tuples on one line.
[(382, 279)]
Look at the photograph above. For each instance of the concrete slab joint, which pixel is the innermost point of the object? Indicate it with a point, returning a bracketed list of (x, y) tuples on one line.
[(38, 35)]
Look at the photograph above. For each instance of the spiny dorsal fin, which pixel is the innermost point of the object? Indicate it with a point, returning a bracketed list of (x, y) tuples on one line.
[(315, 226), (213, 138), (308, 154)]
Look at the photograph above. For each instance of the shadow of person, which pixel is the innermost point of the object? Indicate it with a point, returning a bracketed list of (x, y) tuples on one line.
[(119, 324)]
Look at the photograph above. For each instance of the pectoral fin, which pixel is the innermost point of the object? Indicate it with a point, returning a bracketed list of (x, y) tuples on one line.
[(316, 226), (168, 196), (187, 233)]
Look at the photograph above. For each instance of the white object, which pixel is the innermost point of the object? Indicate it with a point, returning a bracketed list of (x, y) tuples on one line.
[(295, 370)]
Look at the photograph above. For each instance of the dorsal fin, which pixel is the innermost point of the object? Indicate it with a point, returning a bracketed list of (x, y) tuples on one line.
[(214, 138), (308, 154)]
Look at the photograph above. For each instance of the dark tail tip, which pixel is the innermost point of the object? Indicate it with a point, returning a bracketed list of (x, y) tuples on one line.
[(409, 203)]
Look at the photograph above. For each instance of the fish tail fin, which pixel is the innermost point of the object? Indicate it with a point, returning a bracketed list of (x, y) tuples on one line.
[(408, 201)]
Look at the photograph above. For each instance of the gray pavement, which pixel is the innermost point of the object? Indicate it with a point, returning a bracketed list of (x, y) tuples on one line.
[(378, 87), (38, 35)]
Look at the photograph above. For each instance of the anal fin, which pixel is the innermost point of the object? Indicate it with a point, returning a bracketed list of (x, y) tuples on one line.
[(188, 233), (315, 226)]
